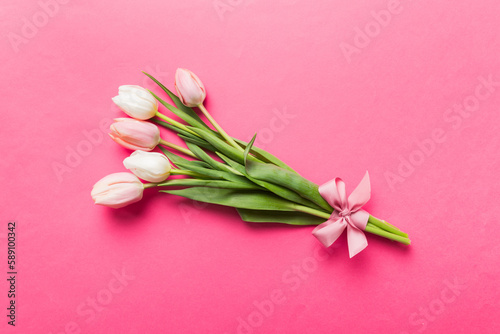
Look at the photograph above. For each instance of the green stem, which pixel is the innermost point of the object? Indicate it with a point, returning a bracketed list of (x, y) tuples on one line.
[(386, 226), (311, 211), (375, 230), (150, 185), (219, 128), (175, 123), (178, 148)]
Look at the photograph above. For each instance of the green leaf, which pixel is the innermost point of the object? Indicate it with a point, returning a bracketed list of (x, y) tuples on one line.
[(219, 144), (274, 187), (291, 180), (174, 158), (197, 141), (171, 127), (209, 160), (265, 156), (245, 199), (186, 117), (291, 218), (177, 160), (208, 183), (181, 107), (206, 171), (284, 193), (248, 148), (240, 168), (218, 174), (196, 163)]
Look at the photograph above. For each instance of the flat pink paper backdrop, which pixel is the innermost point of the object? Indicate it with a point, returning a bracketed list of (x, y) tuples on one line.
[(332, 88)]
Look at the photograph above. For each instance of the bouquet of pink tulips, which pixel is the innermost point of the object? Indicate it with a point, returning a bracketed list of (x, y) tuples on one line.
[(221, 169)]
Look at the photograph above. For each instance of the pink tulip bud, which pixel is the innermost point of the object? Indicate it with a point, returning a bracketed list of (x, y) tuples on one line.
[(134, 134), (117, 190), (189, 88)]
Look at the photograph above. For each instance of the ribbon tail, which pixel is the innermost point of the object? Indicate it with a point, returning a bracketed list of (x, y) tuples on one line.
[(328, 232), (356, 240)]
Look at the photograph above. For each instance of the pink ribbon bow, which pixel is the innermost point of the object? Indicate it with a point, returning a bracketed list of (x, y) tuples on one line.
[(347, 213)]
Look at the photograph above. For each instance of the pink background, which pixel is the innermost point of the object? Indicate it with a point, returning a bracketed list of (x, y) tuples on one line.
[(325, 98)]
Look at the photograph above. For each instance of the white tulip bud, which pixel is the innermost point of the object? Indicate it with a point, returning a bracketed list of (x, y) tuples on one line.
[(137, 102), (149, 166)]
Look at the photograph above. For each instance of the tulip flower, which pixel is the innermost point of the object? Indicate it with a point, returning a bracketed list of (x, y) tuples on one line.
[(117, 190), (192, 93), (149, 166), (137, 102), (134, 134), (189, 88)]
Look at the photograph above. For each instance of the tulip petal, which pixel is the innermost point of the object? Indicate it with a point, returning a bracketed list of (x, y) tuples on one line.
[(117, 190), (356, 240)]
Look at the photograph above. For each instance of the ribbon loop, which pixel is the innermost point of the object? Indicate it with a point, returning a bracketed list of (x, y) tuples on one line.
[(347, 214)]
